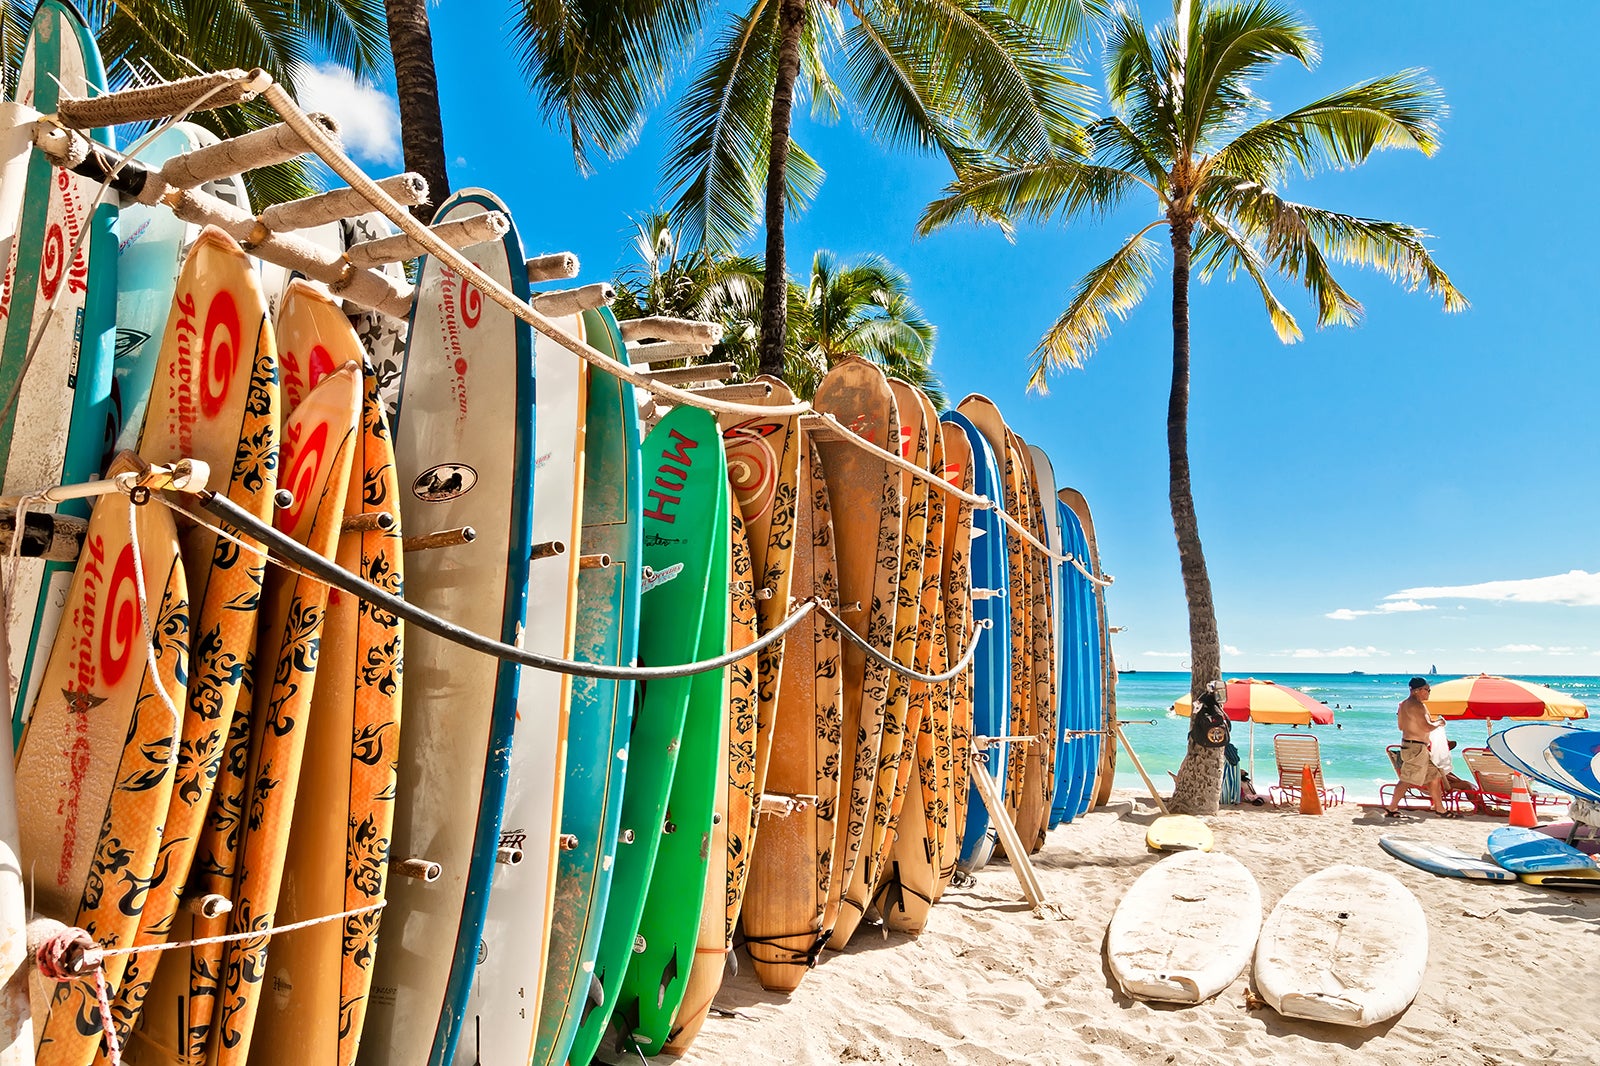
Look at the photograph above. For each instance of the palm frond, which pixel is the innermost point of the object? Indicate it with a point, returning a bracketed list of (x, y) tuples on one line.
[(821, 38), (1115, 287), (1140, 84), (1231, 46), (717, 166), (1401, 110), (1034, 192), (1219, 246), (895, 99)]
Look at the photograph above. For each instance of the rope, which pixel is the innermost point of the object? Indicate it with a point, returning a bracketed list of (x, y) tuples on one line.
[(1101, 581), (898, 667), (331, 573)]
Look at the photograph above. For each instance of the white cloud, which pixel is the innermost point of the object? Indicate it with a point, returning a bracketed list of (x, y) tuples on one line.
[(1346, 652), (369, 118), (1509, 648), (1229, 649), (1166, 654), (1575, 588), (1345, 614)]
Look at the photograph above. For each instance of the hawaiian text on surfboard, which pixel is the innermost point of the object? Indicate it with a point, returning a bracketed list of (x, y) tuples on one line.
[(219, 358), (671, 476), (452, 321), (53, 257)]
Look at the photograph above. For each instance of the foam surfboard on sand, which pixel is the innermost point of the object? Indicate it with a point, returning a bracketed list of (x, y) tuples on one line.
[(1443, 860), (1525, 851), (1185, 929), (1178, 832), (1347, 945)]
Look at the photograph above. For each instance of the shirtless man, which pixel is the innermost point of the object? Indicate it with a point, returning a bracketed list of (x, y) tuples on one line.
[(1416, 768)]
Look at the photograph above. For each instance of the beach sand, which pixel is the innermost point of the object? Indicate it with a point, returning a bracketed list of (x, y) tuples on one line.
[(1512, 973)]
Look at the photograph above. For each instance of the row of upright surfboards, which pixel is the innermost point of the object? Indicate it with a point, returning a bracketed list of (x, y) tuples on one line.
[(530, 865)]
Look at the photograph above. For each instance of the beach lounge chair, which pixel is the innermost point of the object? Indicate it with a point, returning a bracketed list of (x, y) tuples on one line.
[(1454, 799), (1294, 752), (1494, 779)]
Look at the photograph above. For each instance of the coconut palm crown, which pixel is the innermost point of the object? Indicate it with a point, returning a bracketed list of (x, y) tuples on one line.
[(1187, 130)]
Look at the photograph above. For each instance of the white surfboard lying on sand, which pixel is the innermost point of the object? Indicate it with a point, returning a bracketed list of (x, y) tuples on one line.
[(1443, 860), (1347, 945), (1185, 928)]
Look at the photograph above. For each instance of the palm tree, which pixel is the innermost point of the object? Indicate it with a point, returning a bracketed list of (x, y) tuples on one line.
[(146, 40), (945, 76), (417, 89), (1187, 129)]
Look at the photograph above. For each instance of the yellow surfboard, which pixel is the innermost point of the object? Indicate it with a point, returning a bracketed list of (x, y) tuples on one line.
[(959, 629), (215, 398), (96, 764), (319, 442), (337, 857)]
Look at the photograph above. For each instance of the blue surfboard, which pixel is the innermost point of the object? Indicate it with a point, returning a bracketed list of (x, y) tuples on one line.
[(1525, 851), (1526, 749), (1577, 752), (991, 675)]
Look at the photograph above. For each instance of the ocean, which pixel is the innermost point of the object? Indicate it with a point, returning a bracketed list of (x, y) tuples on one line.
[(1352, 748)]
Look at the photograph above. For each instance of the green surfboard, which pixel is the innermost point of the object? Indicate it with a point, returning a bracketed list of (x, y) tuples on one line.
[(685, 477)]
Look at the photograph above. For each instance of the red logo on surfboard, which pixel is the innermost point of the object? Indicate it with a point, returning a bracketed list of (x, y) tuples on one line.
[(304, 465), (120, 630), (219, 352)]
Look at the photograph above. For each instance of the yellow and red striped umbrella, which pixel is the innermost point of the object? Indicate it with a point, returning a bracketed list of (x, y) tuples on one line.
[(1489, 697), (1251, 700)]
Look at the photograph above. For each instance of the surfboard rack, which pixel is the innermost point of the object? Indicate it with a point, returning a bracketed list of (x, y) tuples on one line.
[(782, 805), (444, 538), (368, 522), (598, 561), (424, 870), (56, 538), (696, 374), (211, 905), (457, 233), (644, 355), (185, 475), (563, 302), (338, 204), (556, 266), (1016, 853), (203, 92), (548, 549)]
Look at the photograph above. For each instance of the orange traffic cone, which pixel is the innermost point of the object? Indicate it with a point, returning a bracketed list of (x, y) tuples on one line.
[(1521, 804), (1310, 796)]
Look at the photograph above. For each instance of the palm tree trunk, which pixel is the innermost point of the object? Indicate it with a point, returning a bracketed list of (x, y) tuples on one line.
[(421, 125), (1199, 782), (775, 291)]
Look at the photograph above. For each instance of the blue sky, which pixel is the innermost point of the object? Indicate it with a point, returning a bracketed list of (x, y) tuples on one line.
[(1421, 490)]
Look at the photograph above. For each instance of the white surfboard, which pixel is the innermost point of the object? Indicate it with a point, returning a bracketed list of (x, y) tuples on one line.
[(1185, 929), (1347, 945), (503, 1011)]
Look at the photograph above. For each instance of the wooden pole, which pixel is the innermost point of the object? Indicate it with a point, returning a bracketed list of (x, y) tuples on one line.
[(1140, 767)]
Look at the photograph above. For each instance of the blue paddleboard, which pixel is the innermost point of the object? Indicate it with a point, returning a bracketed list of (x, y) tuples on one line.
[(1525, 851), (991, 674), (1443, 860), (1577, 752), (1526, 749)]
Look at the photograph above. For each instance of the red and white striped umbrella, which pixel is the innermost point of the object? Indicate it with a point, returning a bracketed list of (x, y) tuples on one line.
[(1248, 699), (1489, 697)]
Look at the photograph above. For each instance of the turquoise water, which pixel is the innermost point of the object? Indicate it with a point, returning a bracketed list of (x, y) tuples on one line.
[(1352, 748)]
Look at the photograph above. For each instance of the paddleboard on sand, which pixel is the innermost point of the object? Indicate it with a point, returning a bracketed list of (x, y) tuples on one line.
[(1178, 832), (685, 513), (94, 770), (55, 422), (865, 496), (1525, 748), (464, 455), (1525, 851), (601, 711), (991, 673), (1185, 929), (786, 896), (1347, 945), (1443, 860)]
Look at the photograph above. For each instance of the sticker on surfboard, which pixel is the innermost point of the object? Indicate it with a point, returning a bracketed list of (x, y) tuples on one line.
[(444, 482)]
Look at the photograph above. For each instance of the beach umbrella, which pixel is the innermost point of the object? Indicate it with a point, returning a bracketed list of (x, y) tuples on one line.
[(1489, 698), (1249, 699)]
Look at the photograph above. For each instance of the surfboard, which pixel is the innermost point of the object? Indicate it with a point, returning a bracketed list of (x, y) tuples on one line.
[(908, 882), (685, 504), (600, 711), (959, 632), (991, 676), (16, 968), (338, 845), (1081, 667), (1178, 832), (320, 439), (17, 124), (1443, 860), (503, 1006), (55, 417), (1577, 752), (1347, 946), (864, 494), (1066, 770), (1524, 851), (214, 397), (464, 440), (383, 337), (728, 849), (1102, 751), (895, 761), (1586, 838), (791, 869), (1564, 879), (94, 771), (152, 246), (1525, 748), (669, 926), (1185, 929), (1033, 814)]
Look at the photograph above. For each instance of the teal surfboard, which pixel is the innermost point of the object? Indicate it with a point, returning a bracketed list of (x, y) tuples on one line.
[(55, 424), (669, 928), (601, 711), (685, 503)]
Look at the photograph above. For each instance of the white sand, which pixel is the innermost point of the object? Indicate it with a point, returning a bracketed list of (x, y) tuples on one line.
[(1513, 971)]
